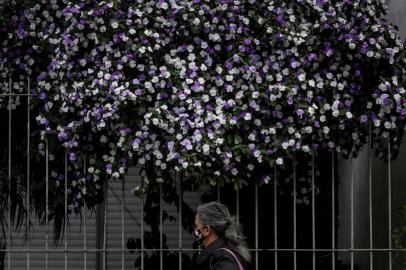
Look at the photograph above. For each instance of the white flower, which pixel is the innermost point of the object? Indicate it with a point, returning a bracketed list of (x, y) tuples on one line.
[(160, 180), (302, 77), (206, 148), (196, 21), (279, 161), (164, 5), (114, 24)]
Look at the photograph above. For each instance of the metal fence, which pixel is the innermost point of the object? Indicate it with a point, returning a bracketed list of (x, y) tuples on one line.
[(271, 253)]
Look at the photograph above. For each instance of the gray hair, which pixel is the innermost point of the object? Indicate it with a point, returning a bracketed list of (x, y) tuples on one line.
[(226, 227)]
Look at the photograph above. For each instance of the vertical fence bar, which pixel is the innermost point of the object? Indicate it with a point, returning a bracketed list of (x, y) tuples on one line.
[(313, 217), (352, 211), (65, 237), (389, 205), (333, 221), (84, 222), (275, 194), (122, 222), (46, 203), (237, 203), (142, 229), (9, 177), (218, 192), (180, 220), (294, 214), (28, 174), (160, 227), (371, 243), (256, 227), (106, 201)]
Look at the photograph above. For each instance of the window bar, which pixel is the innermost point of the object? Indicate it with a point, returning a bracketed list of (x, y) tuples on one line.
[(256, 226), (371, 243), (28, 175), (389, 205), (122, 223), (313, 217), (180, 219), (160, 227), (46, 203), (84, 221), (9, 178), (275, 194), (333, 222), (352, 211), (294, 214), (66, 212)]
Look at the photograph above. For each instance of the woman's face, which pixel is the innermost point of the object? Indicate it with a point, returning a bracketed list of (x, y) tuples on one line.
[(200, 233)]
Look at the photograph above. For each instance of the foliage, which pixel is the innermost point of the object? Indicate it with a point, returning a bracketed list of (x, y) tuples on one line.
[(170, 196)]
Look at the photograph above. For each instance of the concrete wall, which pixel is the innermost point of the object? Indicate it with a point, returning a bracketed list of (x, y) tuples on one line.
[(380, 205), (397, 15)]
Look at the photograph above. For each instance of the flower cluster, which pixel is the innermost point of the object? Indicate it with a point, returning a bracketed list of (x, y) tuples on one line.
[(224, 88)]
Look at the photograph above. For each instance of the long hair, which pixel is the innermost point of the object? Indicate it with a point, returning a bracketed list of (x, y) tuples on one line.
[(226, 227)]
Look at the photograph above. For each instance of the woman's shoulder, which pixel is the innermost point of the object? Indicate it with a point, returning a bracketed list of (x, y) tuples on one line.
[(225, 257)]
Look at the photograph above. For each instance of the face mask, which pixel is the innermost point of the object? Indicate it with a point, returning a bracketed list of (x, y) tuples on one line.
[(199, 237)]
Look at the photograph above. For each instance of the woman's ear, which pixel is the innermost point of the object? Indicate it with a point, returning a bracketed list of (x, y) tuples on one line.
[(206, 230)]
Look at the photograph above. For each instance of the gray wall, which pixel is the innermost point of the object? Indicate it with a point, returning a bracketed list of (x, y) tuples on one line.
[(380, 215), (397, 15)]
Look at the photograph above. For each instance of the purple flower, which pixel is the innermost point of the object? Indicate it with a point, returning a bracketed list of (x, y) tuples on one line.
[(42, 76), (72, 156), (170, 145), (62, 135), (390, 51), (138, 92), (364, 47), (311, 57)]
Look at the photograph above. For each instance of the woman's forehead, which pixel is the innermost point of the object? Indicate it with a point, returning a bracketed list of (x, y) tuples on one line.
[(197, 219)]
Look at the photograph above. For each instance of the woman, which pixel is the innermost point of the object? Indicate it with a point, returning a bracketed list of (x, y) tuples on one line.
[(220, 236)]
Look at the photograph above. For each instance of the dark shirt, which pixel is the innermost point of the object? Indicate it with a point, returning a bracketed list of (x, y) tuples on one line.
[(215, 258)]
